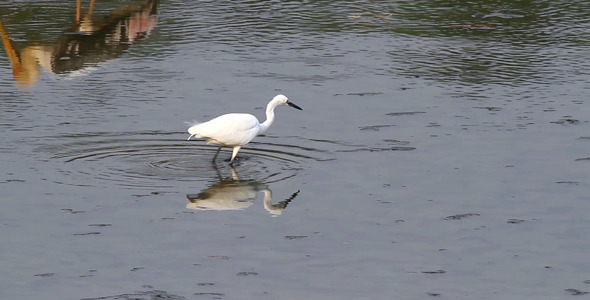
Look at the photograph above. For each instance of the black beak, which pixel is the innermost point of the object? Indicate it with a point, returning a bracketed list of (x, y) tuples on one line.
[(293, 105)]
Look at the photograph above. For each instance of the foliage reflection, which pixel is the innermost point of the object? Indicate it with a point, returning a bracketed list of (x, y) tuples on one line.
[(90, 41)]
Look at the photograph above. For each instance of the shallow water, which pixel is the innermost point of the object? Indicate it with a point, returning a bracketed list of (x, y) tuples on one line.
[(442, 150)]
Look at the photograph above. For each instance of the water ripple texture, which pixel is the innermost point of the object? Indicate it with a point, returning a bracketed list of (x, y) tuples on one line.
[(154, 159), (469, 43)]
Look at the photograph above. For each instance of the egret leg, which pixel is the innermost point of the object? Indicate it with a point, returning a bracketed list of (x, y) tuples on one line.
[(216, 153), (235, 153)]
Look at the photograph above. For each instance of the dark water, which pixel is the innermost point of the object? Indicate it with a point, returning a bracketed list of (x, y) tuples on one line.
[(443, 150)]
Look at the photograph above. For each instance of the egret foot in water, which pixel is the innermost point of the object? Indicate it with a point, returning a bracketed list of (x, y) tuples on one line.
[(237, 159)]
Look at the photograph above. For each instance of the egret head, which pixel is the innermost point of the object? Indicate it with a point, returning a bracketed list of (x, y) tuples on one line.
[(283, 100)]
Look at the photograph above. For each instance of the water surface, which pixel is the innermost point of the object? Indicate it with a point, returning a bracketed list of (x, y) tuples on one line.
[(442, 150)]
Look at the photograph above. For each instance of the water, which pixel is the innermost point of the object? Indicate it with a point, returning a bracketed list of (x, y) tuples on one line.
[(442, 150)]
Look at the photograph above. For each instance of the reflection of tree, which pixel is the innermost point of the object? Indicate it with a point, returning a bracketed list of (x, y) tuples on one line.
[(89, 42), (235, 194)]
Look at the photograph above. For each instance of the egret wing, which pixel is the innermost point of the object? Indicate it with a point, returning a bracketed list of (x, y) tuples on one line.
[(229, 129)]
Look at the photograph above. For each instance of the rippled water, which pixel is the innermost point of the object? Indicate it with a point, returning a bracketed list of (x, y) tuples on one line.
[(442, 150), (158, 161)]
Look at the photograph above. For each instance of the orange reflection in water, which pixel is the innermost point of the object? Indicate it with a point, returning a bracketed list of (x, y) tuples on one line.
[(89, 42)]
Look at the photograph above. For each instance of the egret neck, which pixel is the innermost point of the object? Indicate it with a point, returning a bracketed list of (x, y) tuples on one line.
[(270, 116)]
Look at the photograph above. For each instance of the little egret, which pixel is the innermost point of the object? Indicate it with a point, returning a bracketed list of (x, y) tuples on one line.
[(236, 130)]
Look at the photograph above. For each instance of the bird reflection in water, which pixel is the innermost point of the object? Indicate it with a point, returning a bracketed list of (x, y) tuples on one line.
[(89, 42), (235, 194)]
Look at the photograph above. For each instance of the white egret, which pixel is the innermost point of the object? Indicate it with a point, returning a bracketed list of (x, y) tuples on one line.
[(236, 129)]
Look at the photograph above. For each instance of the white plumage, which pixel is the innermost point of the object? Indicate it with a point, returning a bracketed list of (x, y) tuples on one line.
[(235, 129)]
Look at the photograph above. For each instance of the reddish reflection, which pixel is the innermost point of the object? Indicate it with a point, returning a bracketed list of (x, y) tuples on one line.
[(90, 41)]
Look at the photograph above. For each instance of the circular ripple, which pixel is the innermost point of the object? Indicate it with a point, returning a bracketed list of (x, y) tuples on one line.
[(155, 160)]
